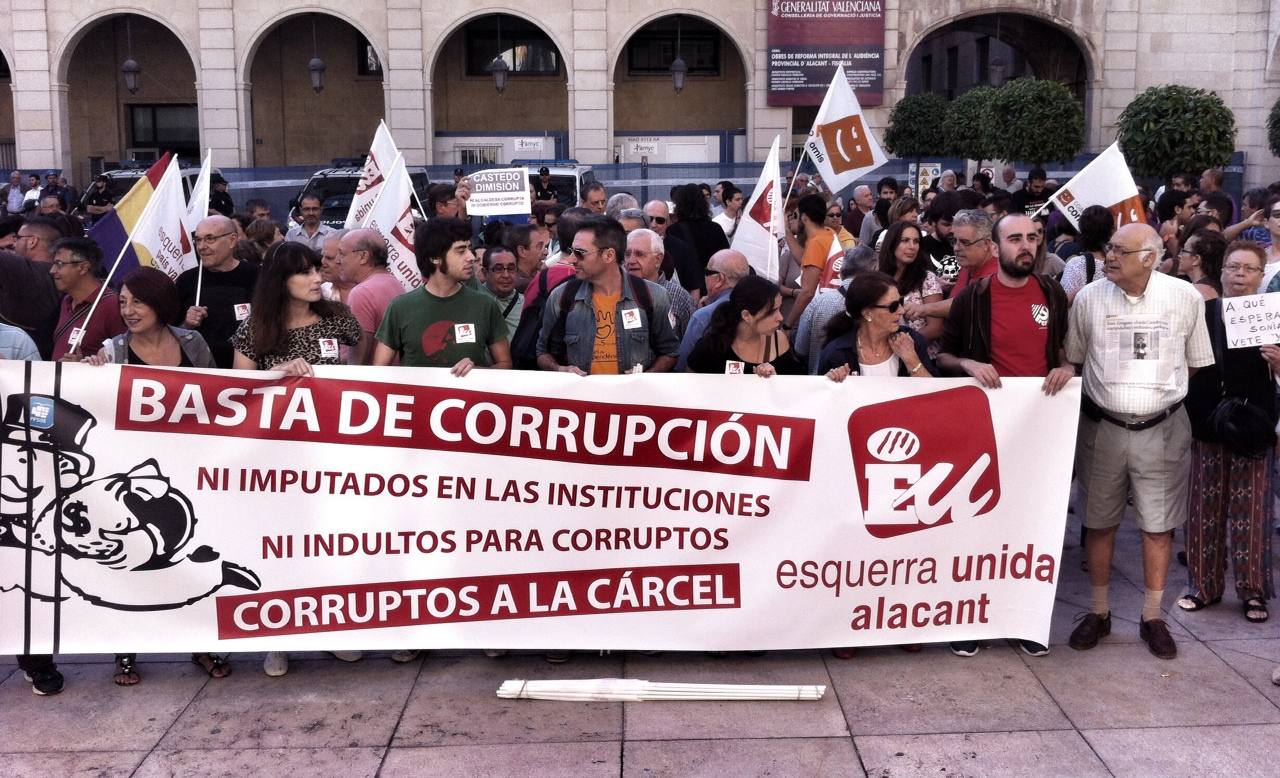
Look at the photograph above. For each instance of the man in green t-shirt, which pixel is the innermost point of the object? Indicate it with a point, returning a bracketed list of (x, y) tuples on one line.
[(444, 323)]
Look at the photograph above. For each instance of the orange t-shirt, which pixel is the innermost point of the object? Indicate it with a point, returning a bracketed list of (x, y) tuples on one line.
[(817, 250), (604, 357)]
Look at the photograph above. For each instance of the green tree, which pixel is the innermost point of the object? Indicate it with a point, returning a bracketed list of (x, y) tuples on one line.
[(966, 129), (915, 127), (1273, 129), (1036, 120), (1175, 129)]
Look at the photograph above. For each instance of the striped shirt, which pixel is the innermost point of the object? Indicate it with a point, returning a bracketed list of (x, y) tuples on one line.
[(1136, 352)]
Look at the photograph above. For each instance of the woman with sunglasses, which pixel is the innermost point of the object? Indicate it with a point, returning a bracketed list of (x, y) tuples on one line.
[(835, 220), (900, 258), (869, 337), (745, 335)]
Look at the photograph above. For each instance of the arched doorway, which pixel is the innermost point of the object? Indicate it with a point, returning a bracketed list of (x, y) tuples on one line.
[(113, 119), (475, 124), (293, 122), (706, 120), (8, 137), (991, 48)]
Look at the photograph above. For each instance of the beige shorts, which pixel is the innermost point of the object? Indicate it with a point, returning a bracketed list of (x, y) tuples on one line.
[(1153, 465)]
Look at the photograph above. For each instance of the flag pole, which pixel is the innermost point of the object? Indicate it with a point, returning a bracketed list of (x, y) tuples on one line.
[(75, 348), (794, 175)]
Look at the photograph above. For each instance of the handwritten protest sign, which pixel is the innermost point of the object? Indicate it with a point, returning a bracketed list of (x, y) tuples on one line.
[(1252, 320)]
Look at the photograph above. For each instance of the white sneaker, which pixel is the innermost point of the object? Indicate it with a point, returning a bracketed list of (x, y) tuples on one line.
[(276, 664), (405, 655), (347, 656)]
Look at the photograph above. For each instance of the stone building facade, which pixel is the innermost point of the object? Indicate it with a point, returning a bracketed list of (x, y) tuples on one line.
[(243, 67)]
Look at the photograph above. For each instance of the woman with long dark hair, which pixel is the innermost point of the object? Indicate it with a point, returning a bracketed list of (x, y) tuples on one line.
[(869, 338), (291, 326), (744, 335), (694, 225), (900, 258)]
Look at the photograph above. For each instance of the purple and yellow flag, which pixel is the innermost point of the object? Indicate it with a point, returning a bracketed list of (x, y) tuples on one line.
[(112, 230)]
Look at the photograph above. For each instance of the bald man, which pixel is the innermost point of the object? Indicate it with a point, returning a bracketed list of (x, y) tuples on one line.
[(724, 270), (225, 292), (362, 262), (1139, 335)]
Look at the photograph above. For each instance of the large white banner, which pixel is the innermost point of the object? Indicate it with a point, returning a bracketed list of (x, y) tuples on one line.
[(378, 508)]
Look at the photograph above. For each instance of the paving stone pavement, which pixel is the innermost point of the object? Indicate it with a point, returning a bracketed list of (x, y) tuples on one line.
[(1111, 711)]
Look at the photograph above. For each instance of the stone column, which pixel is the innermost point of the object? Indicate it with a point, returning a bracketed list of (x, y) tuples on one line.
[(40, 141), (590, 96), (763, 121), (406, 84), (224, 116)]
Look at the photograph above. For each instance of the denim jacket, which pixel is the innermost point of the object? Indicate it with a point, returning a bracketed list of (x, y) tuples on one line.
[(638, 346)]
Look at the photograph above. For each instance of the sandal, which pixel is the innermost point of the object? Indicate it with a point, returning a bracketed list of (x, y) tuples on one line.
[(126, 672), (1190, 602), (1255, 610), (216, 666)]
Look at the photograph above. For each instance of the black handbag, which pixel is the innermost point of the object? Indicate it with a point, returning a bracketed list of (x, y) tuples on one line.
[(1243, 427)]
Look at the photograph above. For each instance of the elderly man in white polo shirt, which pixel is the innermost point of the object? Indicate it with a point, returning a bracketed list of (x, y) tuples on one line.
[(1139, 335)]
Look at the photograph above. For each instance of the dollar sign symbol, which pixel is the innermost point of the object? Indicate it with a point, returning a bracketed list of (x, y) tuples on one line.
[(75, 518)]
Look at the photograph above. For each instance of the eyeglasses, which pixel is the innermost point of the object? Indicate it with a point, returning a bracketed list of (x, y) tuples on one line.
[(833, 214), (891, 307), (59, 263), (708, 272), (199, 239), (1274, 214), (970, 243), (1112, 248), (1237, 268), (658, 219), (501, 269)]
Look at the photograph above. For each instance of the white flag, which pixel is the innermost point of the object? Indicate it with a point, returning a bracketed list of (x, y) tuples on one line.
[(840, 143), (198, 203), (761, 224), (392, 216), (161, 238), (373, 177), (1105, 181)]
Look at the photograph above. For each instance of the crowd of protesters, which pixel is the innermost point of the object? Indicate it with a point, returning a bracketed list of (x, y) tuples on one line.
[(960, 280)]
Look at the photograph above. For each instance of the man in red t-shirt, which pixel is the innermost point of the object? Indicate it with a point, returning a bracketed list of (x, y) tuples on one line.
[(1013, 323)]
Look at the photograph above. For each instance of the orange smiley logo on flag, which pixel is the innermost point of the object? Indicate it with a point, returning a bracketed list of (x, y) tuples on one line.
[(1065, 197), (846, 143)]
